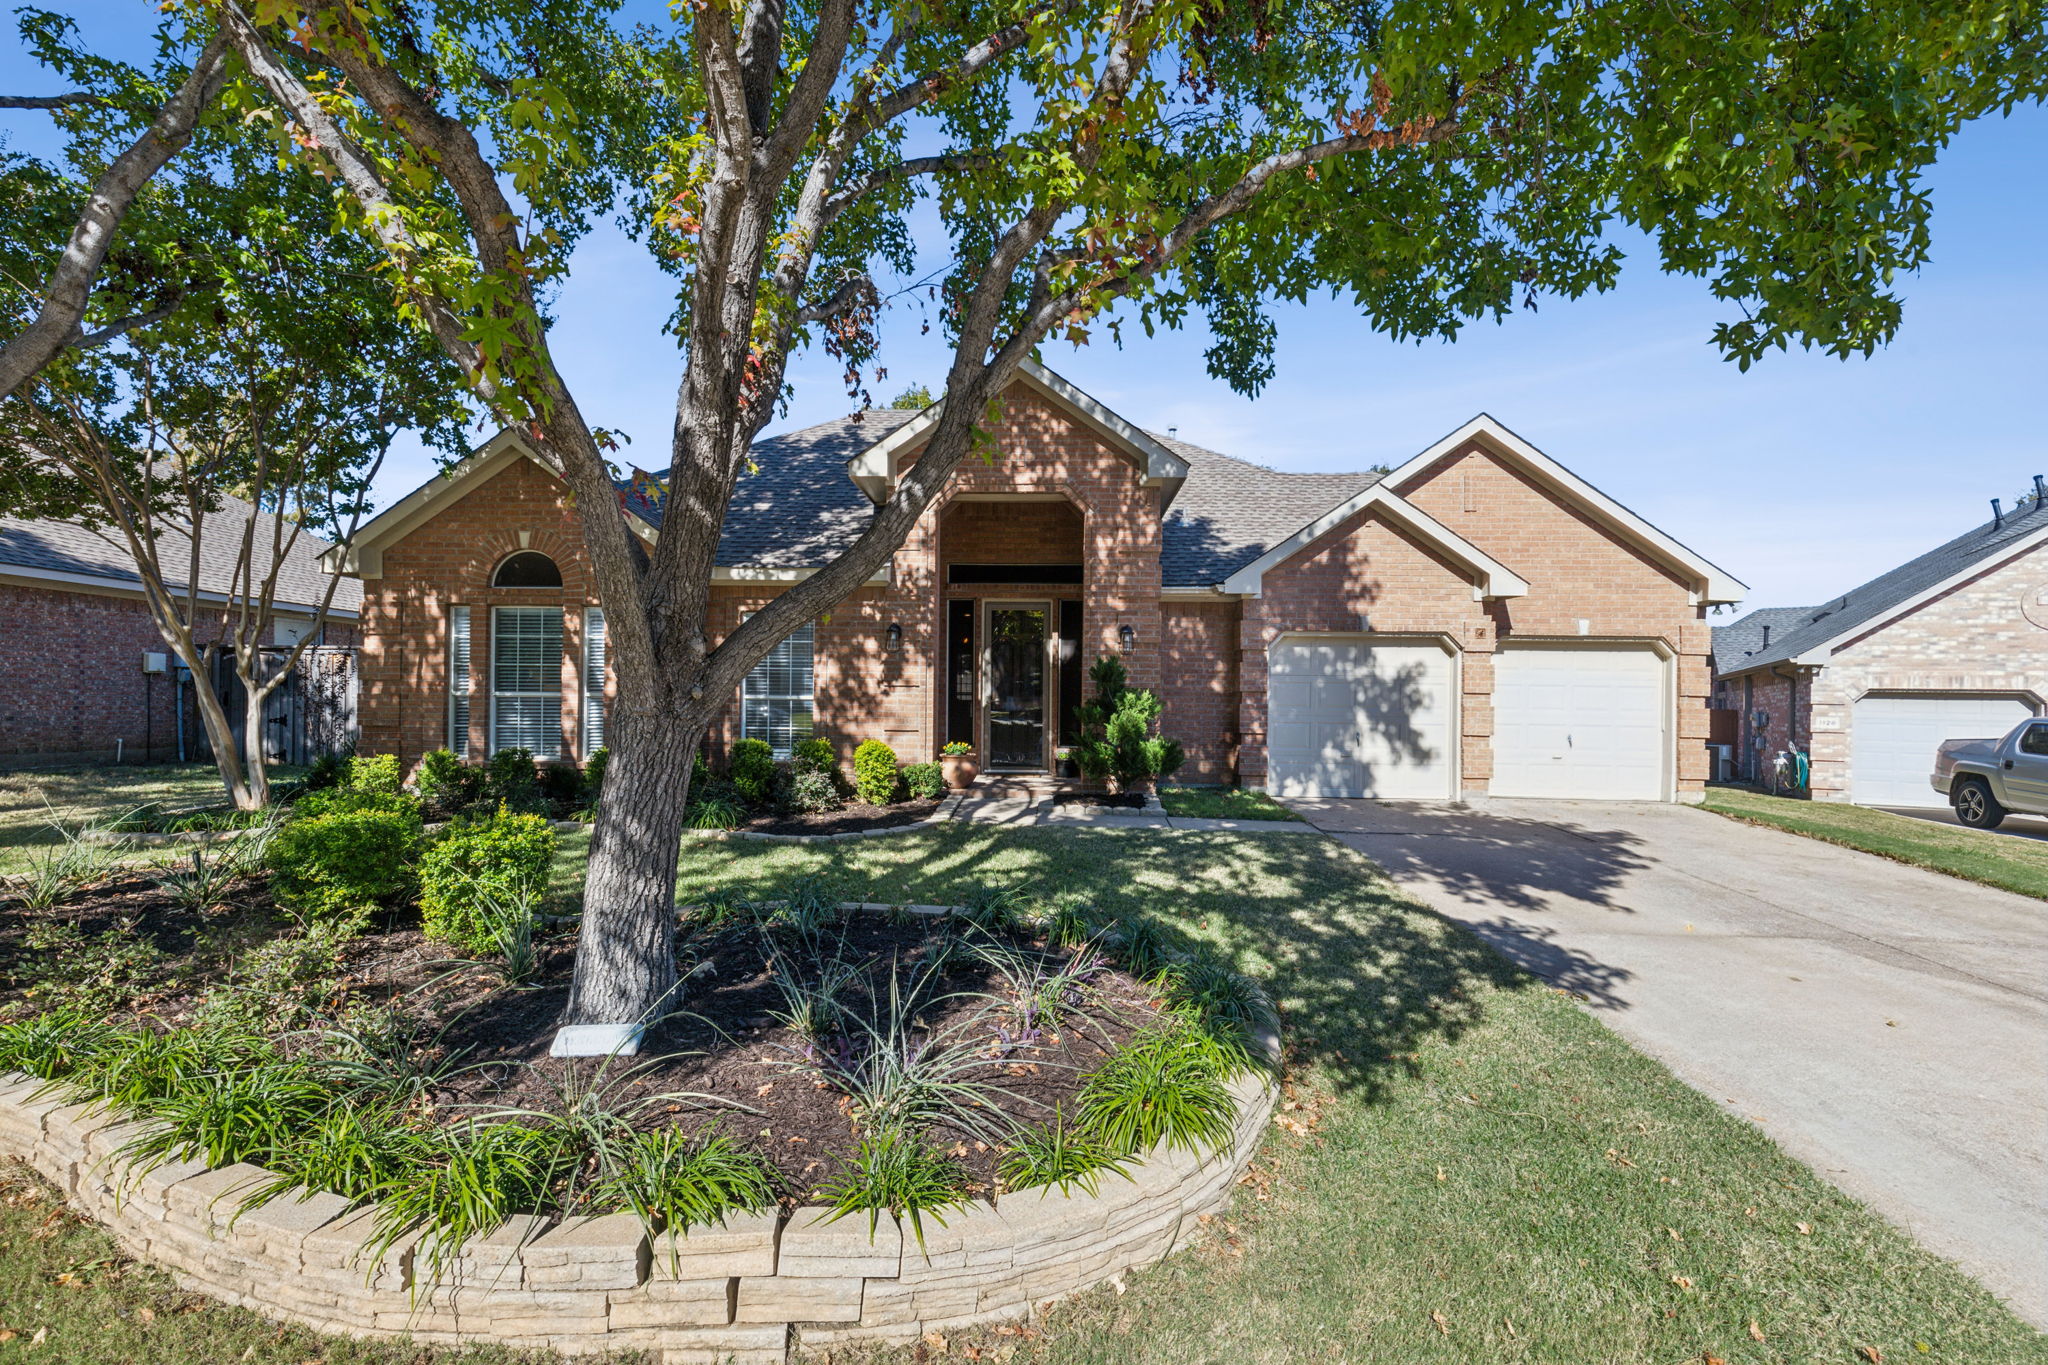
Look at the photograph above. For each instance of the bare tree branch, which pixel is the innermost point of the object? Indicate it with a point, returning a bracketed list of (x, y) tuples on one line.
[(70, 285)]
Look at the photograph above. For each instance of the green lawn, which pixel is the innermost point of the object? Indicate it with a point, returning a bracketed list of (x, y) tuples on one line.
[(29, 797), (1223, 803), (1458, 1143), (1976, 855)]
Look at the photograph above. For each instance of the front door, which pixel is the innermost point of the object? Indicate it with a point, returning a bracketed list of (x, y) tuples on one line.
[(1018, 634)]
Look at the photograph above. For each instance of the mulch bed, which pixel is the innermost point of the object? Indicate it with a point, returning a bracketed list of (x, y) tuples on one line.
[(853, 816), (748, 1076)]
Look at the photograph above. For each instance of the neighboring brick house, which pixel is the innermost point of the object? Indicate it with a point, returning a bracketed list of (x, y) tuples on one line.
[(1478, 620), (77, 642), (1950, 645)]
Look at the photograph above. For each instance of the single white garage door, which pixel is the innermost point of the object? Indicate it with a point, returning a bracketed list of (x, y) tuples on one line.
[(1585, 723), (1347, 718), (1892, 742)]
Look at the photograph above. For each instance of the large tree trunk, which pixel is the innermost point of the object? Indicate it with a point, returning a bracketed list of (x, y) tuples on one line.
[(626, 953)]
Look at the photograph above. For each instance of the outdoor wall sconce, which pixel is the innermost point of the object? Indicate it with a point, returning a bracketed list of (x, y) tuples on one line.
[(895, 636), (1126, 636)]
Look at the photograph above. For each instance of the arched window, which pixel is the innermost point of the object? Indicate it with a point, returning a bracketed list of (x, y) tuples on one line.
[(527, 569)]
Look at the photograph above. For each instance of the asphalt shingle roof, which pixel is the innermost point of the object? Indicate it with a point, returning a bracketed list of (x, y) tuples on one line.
[(65, 547), (797, 507), (1736, 643), (1811, 627)]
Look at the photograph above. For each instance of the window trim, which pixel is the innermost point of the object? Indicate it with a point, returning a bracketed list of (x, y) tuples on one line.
[(498, 636), (810, 629)]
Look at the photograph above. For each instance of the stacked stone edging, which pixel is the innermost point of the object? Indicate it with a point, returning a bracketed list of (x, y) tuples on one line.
[(735, 1292)]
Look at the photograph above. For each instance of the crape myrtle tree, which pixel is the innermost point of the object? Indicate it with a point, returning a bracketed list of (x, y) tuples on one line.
[(1092, 162), (245, 376)]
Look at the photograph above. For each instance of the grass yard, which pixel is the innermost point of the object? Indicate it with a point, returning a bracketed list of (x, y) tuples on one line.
[(1468, 1166), (29, 797), (1973, 854), (1222, 803)]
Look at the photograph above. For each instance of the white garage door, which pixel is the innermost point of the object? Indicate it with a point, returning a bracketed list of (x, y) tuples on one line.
[(1346, 718), (1892, 742), (1586, 723)]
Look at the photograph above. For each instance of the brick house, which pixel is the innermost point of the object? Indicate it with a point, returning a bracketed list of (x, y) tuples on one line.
[(83, 669), (1952, 644), (1478, 620)]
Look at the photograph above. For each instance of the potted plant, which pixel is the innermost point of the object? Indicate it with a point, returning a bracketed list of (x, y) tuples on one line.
[(957, 759), (1063, 761)]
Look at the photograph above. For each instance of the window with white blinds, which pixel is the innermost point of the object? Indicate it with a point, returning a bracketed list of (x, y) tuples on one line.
[(458, 681), (526, 680), (775, 700), (593, 680)]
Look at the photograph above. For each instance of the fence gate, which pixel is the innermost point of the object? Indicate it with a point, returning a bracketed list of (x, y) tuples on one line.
[(312, 712)]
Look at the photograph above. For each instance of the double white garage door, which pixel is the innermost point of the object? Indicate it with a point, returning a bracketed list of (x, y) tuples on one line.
[(1351, 718)]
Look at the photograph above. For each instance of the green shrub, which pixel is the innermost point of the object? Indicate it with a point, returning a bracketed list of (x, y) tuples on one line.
[(561, 781), (447, 780), (813, 755), (752, 770), (1117, 742), (700, 772), (510, 780), (1058, 1154), (327, 771), (374, 773), (341, 864), (346, 801), (924, 781), (811, 791), (874, 772), (1165, 1086), (897, 1173), (476, 869), (593, 772)]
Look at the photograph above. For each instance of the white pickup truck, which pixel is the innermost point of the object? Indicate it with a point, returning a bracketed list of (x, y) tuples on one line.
[(1988, 779)]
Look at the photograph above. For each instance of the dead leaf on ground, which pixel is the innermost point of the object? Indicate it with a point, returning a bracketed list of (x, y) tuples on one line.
[(1756, 1333), (1871, 1354), (1443, 1324)]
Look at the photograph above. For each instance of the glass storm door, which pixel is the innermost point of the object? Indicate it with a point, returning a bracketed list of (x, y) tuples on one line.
[(1016, 686)]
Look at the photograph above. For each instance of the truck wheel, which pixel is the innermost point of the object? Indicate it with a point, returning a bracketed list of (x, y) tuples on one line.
[(1976, 806)]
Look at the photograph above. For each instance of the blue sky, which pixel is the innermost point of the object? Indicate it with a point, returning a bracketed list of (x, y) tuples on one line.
[(1803, 477)]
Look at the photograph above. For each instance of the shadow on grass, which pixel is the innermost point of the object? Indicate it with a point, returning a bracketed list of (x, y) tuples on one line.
[(1362, 977)]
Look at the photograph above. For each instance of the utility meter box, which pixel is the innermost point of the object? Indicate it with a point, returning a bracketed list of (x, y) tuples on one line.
[(155, 663)]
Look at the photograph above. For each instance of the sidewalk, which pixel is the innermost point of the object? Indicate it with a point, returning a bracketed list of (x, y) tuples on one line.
[(1022, 803)]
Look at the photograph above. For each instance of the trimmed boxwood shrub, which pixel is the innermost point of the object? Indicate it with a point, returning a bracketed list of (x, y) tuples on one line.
[(561, 780), (345, 862), (480, 870), (752, 770), (924, 781), (874, 772), (593, 772), (813, 755), (343, 800), (510, 779)]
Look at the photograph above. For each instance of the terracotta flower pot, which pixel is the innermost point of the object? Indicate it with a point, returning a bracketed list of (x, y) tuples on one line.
[(960, 770)]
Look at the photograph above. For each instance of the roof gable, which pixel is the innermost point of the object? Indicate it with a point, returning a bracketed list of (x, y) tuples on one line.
[(1709, 582), (1491, 578)]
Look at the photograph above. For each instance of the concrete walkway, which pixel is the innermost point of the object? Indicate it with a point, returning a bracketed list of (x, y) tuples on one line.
[(1886, 1025), (1019, 807)]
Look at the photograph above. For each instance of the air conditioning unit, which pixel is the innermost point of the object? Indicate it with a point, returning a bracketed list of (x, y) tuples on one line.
[(155, 663), (1723, 761)]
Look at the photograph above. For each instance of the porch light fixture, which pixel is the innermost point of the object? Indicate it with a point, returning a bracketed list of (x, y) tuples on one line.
[(1126, 636), (895, 635)]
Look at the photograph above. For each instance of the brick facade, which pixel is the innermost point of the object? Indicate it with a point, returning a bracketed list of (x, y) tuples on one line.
[(71, 660), (1055, 491), (1979, 636)]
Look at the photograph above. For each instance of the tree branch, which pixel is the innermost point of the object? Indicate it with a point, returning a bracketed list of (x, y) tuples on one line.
[(70, 285), (63, 101)]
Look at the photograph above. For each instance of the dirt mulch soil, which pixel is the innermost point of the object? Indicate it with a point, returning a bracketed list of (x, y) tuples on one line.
[(734, 1067), (848, 819), (725, 1059)]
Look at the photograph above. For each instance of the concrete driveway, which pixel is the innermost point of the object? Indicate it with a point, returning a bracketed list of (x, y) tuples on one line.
[(1887, 1026)]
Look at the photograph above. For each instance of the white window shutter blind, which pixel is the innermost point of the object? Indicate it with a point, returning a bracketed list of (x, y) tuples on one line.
[(593, 680), (526, 680), (458, 681)]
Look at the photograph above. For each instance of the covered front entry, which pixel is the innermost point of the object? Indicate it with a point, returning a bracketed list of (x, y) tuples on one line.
[(1584, 722), (1893, 739), (1348, 716)]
